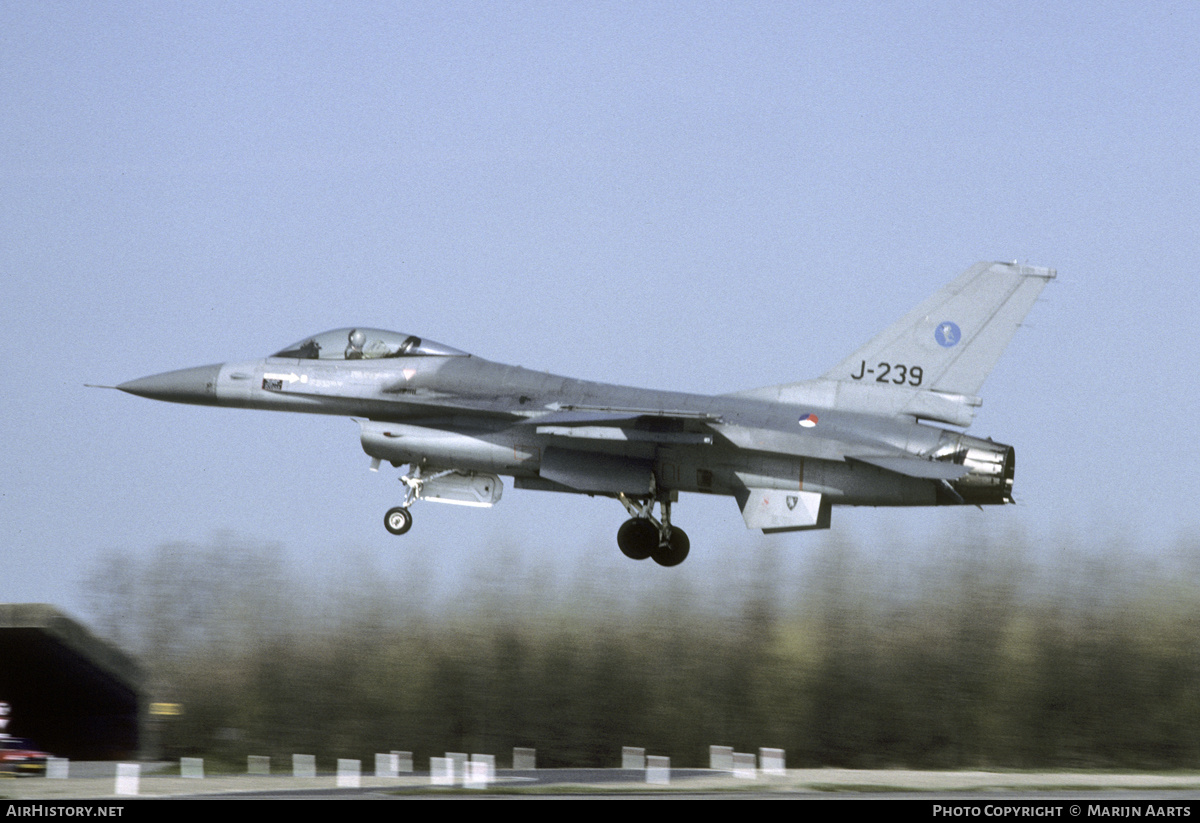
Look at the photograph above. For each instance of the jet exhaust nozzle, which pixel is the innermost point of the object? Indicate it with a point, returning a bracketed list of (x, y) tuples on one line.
[(992, 467)]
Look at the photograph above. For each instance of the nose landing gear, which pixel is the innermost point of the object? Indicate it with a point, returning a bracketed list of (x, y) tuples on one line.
[(398, 520), (461, 487)]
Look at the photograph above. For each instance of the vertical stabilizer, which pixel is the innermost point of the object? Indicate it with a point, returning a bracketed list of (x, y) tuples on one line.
[(951, 342)]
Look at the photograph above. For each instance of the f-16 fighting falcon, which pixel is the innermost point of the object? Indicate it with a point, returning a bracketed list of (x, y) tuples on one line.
[(866, 433)]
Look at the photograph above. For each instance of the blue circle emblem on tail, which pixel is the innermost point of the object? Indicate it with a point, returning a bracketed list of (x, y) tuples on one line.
[(947, 334)]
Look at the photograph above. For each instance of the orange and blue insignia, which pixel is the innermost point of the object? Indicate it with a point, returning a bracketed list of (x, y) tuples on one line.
[(808, 421)]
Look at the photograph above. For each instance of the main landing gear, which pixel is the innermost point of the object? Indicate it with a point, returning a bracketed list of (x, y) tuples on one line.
[(642, 536)]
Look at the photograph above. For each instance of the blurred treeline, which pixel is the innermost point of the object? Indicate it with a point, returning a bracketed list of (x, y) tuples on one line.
[(952, 655)]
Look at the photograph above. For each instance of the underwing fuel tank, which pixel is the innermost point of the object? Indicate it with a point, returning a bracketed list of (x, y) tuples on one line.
[(469, 483), (992, 466), (399, 443)]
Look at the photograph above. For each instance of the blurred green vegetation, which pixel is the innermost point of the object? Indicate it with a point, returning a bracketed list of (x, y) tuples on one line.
[(956, 655)]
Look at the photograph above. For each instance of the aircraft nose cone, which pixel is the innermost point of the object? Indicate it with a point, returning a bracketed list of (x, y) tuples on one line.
[(198, 385)]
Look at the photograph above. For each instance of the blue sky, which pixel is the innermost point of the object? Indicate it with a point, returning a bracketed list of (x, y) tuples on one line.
[(693, 196)]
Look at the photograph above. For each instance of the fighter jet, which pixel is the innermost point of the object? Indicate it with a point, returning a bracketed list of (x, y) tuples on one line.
[(869, 432)]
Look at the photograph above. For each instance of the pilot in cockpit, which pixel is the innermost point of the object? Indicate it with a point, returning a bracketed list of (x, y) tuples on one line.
[(361, 343)]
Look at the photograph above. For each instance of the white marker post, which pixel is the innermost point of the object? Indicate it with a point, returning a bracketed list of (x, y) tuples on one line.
[(387, 765), (349, 773), (744, 766), (658, 770), (304, 765), (524, 759), (476, 776), (720, 758), (771, 762), (441, 771), (127, 779), (489, 762), (460, 760)]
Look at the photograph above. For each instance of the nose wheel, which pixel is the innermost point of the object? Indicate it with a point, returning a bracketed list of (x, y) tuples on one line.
[(398, 520)]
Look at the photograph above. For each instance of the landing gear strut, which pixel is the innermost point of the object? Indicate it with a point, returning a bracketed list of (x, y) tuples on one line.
[(399, 519), (460, 486), (643, 536)]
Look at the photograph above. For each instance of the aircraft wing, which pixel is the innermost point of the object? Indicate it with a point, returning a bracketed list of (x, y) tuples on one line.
[(673, 427), (578, 414), (583, 428), (612, 423), (431, 403)]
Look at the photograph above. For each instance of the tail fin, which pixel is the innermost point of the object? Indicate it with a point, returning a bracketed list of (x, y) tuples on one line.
[(951, 342)]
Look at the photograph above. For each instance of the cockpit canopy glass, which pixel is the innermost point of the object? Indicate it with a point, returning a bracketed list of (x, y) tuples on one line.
[(361, 343)]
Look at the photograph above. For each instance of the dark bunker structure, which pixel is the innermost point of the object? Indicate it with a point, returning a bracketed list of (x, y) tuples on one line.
[(70, 693)]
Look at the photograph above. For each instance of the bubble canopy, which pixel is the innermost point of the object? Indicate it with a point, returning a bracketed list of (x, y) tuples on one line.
[(361, 343)]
